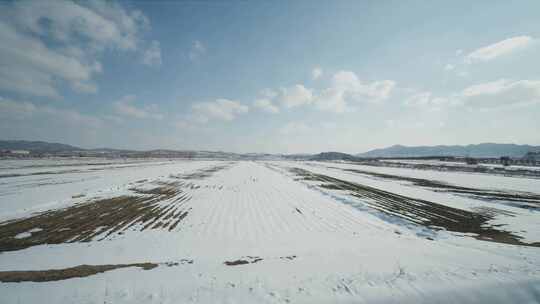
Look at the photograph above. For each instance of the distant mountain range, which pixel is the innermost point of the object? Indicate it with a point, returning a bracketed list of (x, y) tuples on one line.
[(35, 146), (478, 150), (41, 148)]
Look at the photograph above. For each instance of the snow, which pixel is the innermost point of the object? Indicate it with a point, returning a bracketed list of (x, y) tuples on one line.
[(343, 254), (39, 189), (523, 222), (28, 233), (460, 164), (484, 181)]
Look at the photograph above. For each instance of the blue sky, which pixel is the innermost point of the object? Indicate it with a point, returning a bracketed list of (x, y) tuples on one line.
[(254, 76)]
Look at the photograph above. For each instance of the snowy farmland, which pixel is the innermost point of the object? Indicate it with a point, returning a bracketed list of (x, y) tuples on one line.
[(159, 231)]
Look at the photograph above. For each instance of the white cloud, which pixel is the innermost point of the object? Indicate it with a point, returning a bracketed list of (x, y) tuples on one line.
[(103, 24), (266, 105), (27, 111), (295, 96), (221, 109), (502, 93), (46, 43), (125, 107), (498, 49), (269, 93), (197, 50), (424, 99), (316, 73), (266, 101), (488, 95), (34, 70), (347, 88), (332, 100), (449, 67), (352, 86), (152, 55)]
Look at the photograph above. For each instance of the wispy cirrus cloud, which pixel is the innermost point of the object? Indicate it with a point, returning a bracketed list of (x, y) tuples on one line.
[(126, 107), (220, 109), (500, 93), (498, 49), (28, 111)]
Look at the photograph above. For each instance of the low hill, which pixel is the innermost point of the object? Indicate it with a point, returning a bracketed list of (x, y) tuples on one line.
[(332, 156), (478, 150), (36, 146)]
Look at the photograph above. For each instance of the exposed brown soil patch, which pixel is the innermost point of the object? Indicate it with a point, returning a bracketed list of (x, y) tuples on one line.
[(418, 211), (204, 173), (85, 221), (80, 271), (290, 257), (181, 262), (158, 205), (243, 261)]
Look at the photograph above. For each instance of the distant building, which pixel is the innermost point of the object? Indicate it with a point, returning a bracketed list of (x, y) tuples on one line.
[(19, 152)]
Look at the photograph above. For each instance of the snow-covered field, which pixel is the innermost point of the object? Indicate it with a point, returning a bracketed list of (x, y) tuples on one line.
[(461, 163), (264, 232)]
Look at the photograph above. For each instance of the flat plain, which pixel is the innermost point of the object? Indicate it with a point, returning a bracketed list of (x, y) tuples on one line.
[(186, 231)]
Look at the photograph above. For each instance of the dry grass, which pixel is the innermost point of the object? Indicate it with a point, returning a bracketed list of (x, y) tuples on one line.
[(162, 206), (522, 199), (421, 212), (66, 273)]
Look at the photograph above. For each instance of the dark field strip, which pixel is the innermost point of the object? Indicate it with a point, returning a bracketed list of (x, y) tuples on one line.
[(162, 206), (86, 170), (204, 173), (79, 271), (447, 168), (85, 221), (421, 212), (65, 273), (243, 261), (522, 200)]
